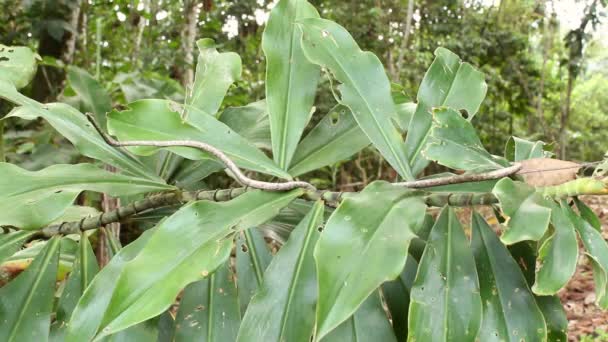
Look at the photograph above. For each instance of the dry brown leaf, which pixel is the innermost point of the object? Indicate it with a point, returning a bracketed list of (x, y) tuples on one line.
[(547, 171)]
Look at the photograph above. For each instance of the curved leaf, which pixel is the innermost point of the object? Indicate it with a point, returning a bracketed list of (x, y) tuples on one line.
[(188, 245), (555, 317), (448, 82), (504, 291), (557, 255), (291, 80), (283, 307), (445, 304), (27, 301), (17, 65), (597, 251), (519, 149), (85, 267), (453, 142), (365, 87), (74, 126), (209, 309), (588, 215), (161, 120), (38, 198), (368, 323), (94, 97), (397, 297), (252, 258), (528, 211), (89, 311), (336, 137), (215, 72), (364, 243)]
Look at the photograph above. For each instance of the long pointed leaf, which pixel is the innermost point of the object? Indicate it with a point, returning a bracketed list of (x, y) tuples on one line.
[(336, 137), (504, 291), (368, 323), (209, 309), (448, 82), (365, 88), (161, 120), (94, 97), (26, 302), (364, 243), (397, 297), (252, 258), (283, 308), (251, 122), (445, 304), (291, 80), (10, 243)]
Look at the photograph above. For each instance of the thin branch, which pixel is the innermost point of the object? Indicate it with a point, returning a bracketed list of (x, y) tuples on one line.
[(477, 177), (238, 174)]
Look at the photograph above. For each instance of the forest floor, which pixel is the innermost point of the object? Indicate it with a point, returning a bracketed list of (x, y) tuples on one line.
[(578, 297)]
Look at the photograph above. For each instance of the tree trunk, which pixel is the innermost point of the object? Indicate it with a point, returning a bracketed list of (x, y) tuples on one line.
[(563, 123), (189, 33), (396, 70)]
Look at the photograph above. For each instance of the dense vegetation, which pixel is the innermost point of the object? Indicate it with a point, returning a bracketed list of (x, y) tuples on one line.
[(268, 182)]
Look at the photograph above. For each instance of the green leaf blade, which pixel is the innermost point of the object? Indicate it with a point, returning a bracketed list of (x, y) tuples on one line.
[(291, 80), (364, 243), (283, 307), (17, 65), (365, 87), (445, 303), (252, 259), (94, 97)]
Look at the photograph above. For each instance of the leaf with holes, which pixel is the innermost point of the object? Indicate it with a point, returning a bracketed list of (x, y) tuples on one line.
[(291, 80), (335, 138), (17, 65), (365, 88), (445, 304), (364, 244), (283, 308), (448, 82), (209, 309), (252, 258)]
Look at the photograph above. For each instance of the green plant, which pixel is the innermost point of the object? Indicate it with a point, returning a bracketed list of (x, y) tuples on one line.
[(343, 254)]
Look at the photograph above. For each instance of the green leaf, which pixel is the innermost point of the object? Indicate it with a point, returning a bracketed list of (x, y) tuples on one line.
[(209, 309), (190, 173), (365, 88), (27, 301), (88, 313), (445, 304), (555, 318), (283, 308), (251, 122), (185, 247), (504, 291), (588, 215), (448, 82), (519, 149), (397, 297), (94, 97), (10, 243), (161, 120), (528, 211), (252, 258), (597, 251), (364, 243), (405, 112), (17, 65), (291, 80), (143, 332), (85, 267), (76, 128), (368, 323), (557, 254), (453, 142), (336, 137), (215, 72), (30, 200)]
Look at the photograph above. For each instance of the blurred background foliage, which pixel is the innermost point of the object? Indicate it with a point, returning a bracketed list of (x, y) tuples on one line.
[(546, 63)]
